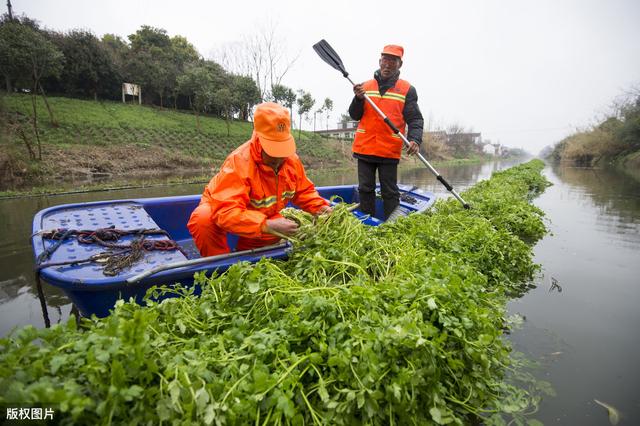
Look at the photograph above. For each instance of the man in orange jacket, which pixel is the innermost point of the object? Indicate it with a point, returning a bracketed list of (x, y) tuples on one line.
[(254, 184), (375, 146)]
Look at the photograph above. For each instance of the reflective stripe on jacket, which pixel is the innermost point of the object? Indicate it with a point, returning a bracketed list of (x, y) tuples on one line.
[(244, 194), (374, 136)]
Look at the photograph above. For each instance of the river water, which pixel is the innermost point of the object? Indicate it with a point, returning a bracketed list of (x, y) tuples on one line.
[(583, 331)]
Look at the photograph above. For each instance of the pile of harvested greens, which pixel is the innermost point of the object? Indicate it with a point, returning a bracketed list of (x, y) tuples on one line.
[(400, 324)]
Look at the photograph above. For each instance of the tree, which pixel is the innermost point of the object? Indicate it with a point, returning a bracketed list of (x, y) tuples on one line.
[(318, 111), (28, 57), (327, 106), (344, 119), (12, 55), (628, 133), (37, 59), (118, 52), (262, 55), (155, 61), (145, 69), (247, 94), (181, 54), (235, 95), (147, 38), (148, 58), (194, 84), (304, 102), (284, 96), (199, 83), (224, 100), (88, 68), (460, 140), (15, 59)]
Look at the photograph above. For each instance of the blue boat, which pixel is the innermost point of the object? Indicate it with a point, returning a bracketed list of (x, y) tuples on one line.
[(68, 252)]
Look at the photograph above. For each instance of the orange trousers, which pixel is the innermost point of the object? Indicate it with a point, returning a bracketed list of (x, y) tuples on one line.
[(210, 239)]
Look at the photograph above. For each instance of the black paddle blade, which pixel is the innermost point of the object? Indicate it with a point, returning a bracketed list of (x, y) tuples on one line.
[(326, 52)]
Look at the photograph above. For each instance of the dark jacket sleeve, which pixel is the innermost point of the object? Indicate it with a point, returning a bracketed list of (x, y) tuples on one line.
[(356, 109), (412, 116)]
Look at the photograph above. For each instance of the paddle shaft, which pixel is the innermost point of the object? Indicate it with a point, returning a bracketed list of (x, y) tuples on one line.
[(408, 144), (202, 260)]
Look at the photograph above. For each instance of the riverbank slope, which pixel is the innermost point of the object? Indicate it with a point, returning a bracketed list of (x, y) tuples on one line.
[(615, 140), (85, 142)]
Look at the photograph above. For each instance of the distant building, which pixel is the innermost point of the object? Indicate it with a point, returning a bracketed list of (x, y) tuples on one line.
[(345, 130), (488, 149), (454, 138), (464, 138), (437, 136)]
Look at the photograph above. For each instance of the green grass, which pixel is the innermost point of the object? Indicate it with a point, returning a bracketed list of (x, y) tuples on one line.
[(89, 122), (71, 112), (83, 122), (108, 124)]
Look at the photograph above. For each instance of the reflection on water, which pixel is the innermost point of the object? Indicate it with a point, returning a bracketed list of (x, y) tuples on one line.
[(460, 177), (614, 196), (585, 337)]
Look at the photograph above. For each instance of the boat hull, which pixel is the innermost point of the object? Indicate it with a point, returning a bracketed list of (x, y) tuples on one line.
[(94, 293)]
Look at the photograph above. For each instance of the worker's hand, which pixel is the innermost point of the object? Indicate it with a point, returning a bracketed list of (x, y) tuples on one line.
[(324, 210), (413, 148), (281, 225), (358, 90)]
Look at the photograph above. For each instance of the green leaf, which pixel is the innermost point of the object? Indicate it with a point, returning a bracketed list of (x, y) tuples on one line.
[(209, 414), (285, 405), (202, 398), (253, 286), (431, 303), (322, 392), (57, 362), (436, 415)]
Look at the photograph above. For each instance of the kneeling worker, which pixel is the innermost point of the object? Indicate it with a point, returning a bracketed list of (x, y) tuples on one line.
[(254, 184)]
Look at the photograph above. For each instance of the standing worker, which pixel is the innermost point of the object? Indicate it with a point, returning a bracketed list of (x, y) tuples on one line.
[(254, 184), (375, 146)]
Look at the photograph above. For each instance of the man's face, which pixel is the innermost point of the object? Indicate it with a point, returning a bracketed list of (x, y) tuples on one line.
[(389, 65), (273, 162)]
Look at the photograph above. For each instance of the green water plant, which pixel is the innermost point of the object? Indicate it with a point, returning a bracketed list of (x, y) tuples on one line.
[(400, 324)]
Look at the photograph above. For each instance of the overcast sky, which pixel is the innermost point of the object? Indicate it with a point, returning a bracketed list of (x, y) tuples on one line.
[(524, 73)]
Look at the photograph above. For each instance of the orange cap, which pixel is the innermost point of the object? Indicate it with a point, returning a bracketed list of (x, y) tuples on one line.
[(272, 124), (393, 49)]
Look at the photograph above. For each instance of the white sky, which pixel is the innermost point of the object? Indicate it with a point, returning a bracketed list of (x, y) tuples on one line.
[(524, 73)]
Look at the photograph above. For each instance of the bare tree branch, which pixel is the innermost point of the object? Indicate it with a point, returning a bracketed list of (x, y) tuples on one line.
[(262, 56)]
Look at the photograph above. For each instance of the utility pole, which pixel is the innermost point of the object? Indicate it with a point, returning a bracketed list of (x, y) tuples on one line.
[(9, 8)]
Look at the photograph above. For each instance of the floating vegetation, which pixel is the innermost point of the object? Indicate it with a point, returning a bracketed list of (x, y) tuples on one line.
[(614, 414), (400, 324)]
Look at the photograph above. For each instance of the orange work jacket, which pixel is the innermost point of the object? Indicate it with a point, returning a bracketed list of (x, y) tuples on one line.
[(374, 136), (244, 194)]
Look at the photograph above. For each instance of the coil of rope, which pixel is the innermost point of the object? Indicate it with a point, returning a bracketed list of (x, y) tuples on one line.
[(105, 237), (119, 257)]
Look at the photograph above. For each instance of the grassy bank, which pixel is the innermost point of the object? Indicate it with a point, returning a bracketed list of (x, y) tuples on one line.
[(88, 139), (616, 140)]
